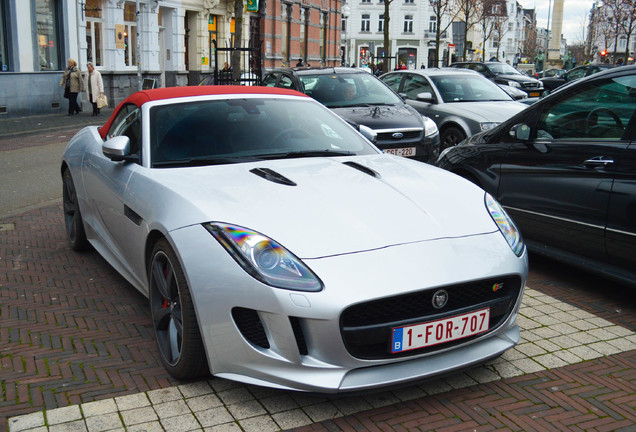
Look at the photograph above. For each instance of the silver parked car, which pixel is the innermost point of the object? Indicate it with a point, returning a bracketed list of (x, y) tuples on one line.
[(279, 247), (461, 102)]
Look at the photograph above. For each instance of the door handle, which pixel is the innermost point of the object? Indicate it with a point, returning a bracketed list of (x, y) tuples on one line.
[(598, 161)]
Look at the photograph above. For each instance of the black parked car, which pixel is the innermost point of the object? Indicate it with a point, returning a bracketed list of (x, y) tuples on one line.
[(565, 170), (502, 73), (551, 83), (365, 101)]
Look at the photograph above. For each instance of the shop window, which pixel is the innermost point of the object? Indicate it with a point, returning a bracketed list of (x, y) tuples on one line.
[(48, 35), (94, 26)]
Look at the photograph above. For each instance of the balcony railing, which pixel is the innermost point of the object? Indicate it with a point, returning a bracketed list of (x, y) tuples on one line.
[(431, 35)]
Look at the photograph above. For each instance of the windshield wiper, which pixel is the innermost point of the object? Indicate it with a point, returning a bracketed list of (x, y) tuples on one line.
[(204, 160), (306, 153)]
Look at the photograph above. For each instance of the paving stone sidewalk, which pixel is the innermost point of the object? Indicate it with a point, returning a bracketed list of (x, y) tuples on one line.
[(20, 127), (583, 377), (554, 335)]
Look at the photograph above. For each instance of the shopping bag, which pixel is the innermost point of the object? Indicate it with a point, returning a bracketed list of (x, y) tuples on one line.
[(102, 101)]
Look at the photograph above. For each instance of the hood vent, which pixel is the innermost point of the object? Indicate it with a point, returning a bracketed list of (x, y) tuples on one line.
[(272, 176), (362, 168)]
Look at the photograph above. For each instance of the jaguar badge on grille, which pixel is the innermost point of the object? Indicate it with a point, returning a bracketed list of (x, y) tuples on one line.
[(440, 298)]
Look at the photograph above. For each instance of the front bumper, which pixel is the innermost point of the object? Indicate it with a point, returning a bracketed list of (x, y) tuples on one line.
[(420, 147), (302, 347)]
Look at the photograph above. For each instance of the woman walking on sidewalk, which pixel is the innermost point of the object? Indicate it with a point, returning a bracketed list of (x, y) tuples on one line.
[(94, 86), (73, 84)]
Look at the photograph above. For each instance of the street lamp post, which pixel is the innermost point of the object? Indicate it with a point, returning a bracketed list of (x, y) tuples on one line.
[(346, 10)]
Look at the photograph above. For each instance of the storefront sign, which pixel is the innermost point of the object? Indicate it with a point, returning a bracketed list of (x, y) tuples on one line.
[(120, 42), (251, 6)]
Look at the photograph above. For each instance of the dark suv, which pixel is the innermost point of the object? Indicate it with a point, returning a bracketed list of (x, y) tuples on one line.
[(364, 101), (502, 73)]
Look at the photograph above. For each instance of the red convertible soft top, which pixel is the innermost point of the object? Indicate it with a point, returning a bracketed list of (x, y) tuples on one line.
[(141, 97)]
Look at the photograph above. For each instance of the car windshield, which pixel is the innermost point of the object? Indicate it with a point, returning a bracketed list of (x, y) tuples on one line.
[(503, 69), (348, 90), (247, 129), (468, 88)]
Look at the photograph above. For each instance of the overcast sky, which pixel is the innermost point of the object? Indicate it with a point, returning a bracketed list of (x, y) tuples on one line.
[(575, 14)]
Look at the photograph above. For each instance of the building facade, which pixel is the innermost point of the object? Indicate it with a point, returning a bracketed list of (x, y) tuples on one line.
[(412, 27), (150, 43)]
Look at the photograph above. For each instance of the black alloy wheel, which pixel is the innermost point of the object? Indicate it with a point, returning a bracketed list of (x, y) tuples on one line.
[(451, 136), (173, 316), (72, 217)]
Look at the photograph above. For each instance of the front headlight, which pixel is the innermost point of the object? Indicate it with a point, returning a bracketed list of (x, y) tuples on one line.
[(430, 128), (265, 259), (514, 84), (487, 126), (505, 224)]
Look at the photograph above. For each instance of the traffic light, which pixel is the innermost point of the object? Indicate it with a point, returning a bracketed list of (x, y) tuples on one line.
[(603, 55)]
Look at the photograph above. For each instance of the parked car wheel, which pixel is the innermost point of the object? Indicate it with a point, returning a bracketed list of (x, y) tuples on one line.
[(173, 317), (72, 216), (452, 136)]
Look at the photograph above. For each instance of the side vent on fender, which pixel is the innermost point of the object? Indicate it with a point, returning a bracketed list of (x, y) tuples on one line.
[(272, 176)]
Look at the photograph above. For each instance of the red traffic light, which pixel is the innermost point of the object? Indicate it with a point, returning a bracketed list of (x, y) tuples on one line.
[(603, 53)]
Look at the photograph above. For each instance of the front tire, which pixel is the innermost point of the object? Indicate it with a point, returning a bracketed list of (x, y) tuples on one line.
[(451, 136), (173, 316), (72, 217)]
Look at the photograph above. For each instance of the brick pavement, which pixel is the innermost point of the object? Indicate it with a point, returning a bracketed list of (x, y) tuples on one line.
[(76, 341), (73, 332)]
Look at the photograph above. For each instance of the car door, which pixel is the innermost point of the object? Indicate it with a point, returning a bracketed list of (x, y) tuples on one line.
[(557, 185), (393, 80), (414, 84), (287, 81), (106, 185), (269, 80), (620, 233)]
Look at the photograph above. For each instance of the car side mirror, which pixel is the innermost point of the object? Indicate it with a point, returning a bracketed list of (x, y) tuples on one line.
[(368, 133), (117, 149), (425, 97), (520, 132)]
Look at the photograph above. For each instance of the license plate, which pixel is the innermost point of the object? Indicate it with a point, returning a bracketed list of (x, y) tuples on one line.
[(440, 331), (406, 151), (535, 94)]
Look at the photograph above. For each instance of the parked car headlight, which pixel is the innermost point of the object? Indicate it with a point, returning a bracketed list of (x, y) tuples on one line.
[(265, 259), (487, 126), (506, 225), (430, 128), (514, 84)]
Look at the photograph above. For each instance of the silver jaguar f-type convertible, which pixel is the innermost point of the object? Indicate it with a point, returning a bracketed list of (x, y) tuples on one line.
[(279, 247)]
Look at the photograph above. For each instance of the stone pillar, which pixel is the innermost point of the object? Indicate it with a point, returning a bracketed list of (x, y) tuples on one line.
[(554, 48)]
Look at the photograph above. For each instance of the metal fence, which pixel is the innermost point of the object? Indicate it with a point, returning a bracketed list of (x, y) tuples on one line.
[(250, 63)]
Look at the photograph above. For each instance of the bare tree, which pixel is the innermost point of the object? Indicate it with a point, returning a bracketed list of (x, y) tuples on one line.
[(468, 13), (606, 24), (530, 46), (238, 36), (500, 22), (387, 39), (488, 9), (628, 22), (441, 9)]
